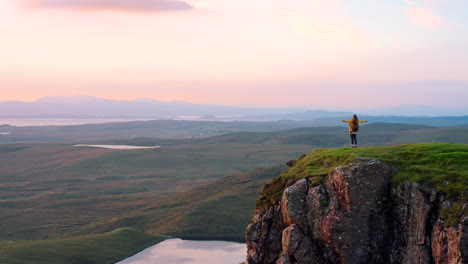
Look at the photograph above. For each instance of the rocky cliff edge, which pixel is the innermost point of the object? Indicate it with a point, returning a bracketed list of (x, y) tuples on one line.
[(356, 215)]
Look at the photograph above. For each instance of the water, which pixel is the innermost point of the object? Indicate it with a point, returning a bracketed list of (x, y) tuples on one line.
[(21, 122), (178, 251), (124, 147)]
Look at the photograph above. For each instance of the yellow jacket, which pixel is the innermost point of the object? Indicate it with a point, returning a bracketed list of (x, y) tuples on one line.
[(351, 124)]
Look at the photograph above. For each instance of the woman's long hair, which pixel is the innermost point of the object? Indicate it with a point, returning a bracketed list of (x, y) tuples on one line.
[(355, 121)]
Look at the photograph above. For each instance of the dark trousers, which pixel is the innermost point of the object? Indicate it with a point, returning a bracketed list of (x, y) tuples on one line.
[(353, 139)]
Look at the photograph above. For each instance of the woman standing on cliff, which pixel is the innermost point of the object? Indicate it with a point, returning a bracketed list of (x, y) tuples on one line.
[(353, 129)]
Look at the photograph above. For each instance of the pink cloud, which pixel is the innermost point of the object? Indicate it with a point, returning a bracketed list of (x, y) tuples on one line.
[(425, 18), (116, 5)]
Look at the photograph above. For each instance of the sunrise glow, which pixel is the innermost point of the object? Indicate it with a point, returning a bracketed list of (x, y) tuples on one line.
[(285, 53)]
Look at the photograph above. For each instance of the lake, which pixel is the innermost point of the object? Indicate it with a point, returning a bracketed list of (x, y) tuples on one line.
[(124, 147), (178, 251), (21, 122)]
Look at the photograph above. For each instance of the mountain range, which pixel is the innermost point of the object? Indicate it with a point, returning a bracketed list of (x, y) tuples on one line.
[(94, 107)]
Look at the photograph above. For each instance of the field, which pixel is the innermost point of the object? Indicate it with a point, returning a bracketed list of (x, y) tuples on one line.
[(104, 248), (199, 187), (173, 129), (219, 210), (49, 191), (161, 129)]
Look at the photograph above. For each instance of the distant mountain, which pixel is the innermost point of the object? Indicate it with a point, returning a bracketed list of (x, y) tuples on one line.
[(70, 99), (418, 110), (307, 115), (95, 107), (86, 106)]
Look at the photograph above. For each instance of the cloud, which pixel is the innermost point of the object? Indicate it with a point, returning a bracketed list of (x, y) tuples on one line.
[(115, 5), (425, 18)]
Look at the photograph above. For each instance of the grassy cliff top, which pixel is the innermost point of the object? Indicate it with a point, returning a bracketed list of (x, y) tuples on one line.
[(443, 166)]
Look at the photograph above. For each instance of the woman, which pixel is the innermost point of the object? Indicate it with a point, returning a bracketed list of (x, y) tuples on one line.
[(353, 129)]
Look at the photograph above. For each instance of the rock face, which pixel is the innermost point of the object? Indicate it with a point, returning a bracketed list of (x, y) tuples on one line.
[(356, 216)]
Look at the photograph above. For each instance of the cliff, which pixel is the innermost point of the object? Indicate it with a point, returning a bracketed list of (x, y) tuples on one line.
[(364, 210)]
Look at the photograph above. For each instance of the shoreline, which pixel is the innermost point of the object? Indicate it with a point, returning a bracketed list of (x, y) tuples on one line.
[(177, 248)]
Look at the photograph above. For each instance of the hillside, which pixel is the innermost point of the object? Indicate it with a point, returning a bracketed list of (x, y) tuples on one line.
[(374, 134), (103, 248), (218, 210), (48, 191)]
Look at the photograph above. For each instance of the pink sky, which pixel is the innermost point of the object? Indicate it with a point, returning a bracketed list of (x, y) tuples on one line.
[(278, 53)]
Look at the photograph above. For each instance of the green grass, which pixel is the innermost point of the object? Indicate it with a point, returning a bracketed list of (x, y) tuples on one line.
[(443, 166), (219, 210), (94, 249), (49, 191), (451, 215)]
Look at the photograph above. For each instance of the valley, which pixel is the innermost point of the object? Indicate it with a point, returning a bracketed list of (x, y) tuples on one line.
[(192, 188)]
